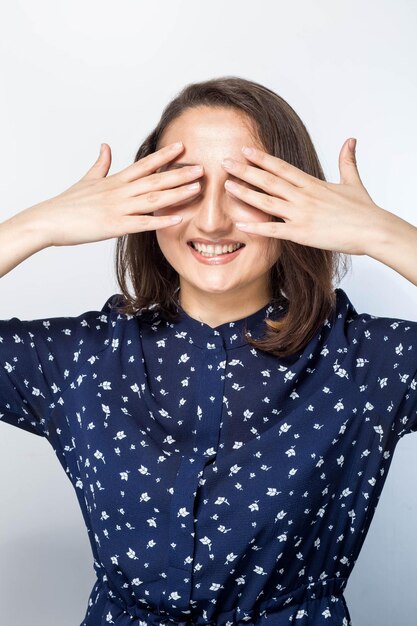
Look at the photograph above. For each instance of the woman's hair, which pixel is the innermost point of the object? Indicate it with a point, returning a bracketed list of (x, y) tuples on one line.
[(301, 278)]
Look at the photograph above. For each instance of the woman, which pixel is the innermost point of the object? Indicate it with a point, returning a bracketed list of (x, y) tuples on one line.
[(228, 426)]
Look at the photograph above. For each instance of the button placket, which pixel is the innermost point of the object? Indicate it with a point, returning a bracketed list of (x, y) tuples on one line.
[(182, 518)]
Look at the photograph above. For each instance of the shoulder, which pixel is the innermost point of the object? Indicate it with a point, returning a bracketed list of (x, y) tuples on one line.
[(93, 326), (112, 309), (365, 321), (379, 334)]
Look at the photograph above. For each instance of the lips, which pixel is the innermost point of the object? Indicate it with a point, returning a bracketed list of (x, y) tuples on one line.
[(220, 242), (215, 247), (215, 259)]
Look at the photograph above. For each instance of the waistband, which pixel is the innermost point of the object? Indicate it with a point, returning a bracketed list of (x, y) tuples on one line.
[(238, 616)]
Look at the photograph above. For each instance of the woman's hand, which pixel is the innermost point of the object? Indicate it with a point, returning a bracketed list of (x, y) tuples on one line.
[(340, 217), (100, 207)]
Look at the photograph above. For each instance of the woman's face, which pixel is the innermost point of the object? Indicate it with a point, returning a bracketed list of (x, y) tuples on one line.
[(209, 135)]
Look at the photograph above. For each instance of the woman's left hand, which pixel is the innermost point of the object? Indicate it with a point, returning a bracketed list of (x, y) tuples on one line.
[(340, 217)]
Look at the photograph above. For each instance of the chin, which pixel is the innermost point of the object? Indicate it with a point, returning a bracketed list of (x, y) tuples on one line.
[(209, 288), (216, 290)]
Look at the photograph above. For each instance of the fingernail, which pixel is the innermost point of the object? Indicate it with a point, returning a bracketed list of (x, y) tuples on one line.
[(247, 150), (352, 144), (175, 218), (176, 145), (241, 224)]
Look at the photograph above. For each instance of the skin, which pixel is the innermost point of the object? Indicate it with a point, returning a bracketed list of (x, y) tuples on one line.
[(276, 200), (341, 217), (217, 293)]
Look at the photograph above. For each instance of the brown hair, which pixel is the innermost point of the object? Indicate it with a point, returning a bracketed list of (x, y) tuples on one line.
[(301, 278)]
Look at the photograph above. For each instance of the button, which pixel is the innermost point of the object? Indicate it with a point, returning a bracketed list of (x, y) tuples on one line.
[(215, 342)]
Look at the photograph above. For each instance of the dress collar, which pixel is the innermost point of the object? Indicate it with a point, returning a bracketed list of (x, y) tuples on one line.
[(228, 335)]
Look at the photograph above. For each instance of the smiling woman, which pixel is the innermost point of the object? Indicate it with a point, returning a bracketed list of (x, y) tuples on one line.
[(215, 285), (214, 120), (228, 427)]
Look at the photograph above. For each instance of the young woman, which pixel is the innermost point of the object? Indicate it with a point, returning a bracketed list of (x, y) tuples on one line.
[(228, 422)]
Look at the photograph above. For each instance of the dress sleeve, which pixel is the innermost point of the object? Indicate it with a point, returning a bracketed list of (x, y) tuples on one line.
[(405, 376), (40, 358), (385, 368)]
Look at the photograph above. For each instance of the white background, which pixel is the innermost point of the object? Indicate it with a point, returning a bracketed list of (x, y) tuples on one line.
[(78, 73)]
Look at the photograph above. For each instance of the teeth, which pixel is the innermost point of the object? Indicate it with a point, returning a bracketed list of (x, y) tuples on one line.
[(213, 250)]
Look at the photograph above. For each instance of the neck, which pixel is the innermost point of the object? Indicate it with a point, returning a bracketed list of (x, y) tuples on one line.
[(217, 309)]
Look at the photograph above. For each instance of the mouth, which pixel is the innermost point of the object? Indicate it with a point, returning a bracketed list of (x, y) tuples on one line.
[(215, 250)]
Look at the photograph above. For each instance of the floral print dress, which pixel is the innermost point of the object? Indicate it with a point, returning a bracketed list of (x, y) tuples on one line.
[(219, 484)]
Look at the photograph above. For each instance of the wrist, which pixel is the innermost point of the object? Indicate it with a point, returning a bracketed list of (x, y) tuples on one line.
[(388, 232), (395, 245), (33, 224)]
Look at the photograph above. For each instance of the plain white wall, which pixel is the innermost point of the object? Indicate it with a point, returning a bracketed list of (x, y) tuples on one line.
[(76, 74)]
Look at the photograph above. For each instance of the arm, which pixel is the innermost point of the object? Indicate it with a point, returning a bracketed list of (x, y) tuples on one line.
[(329, 216), (98, 208), (395, 245), (21, 236)]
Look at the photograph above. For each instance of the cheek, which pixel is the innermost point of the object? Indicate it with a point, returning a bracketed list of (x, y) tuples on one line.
[(273, 250), (166, 241), (276, 246), (162, 240)]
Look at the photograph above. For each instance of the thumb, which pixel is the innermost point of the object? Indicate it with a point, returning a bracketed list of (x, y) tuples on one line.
[(347, 163), (101, 167)]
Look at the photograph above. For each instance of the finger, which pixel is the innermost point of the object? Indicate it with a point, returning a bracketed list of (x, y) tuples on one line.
[(262, 201), (154, 200), (279, 167), (258, 177), (348, 166), (163, 180), (101, 167), (148, 164), (136, 224), (277, 230)]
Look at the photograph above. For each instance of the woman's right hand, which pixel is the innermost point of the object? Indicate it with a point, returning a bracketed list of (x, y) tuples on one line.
[(100, 207)]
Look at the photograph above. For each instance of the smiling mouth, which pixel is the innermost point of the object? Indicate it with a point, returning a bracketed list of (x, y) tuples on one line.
[(215, 250)]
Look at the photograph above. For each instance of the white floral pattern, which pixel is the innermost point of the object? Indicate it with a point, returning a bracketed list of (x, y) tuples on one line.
[(219, 484)]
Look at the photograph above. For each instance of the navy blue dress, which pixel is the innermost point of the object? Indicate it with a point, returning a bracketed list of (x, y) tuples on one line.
[(218, 484)]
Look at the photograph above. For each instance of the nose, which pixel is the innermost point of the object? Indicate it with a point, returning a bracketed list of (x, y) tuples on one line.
[(213, 215)]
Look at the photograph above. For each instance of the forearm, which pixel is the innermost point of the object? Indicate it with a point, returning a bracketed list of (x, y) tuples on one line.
[(21, 236), (395, 245)]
